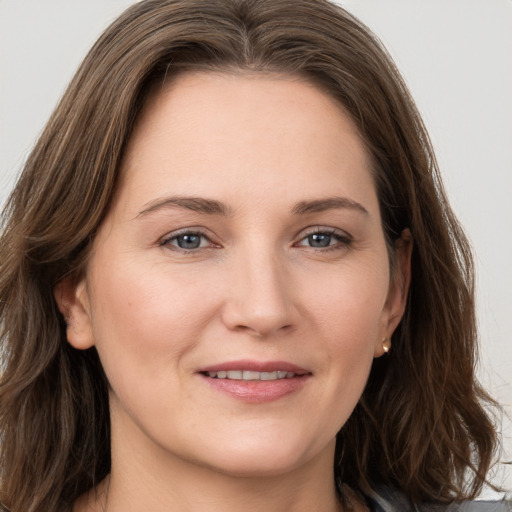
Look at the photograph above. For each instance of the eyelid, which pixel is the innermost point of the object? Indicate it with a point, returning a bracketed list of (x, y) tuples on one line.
[(343, 237), (165, 240)]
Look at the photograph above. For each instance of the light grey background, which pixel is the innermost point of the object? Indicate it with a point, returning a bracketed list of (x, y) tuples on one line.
[(456, 56)]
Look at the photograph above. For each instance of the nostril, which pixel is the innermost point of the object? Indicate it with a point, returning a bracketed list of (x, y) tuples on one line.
[(263, 330), (260, 303)]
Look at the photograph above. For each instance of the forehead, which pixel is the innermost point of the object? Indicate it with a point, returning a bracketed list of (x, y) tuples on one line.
[(205, 130)]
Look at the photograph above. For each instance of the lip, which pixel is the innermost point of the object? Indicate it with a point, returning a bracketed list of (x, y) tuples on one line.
[(255, 366), (256, 391)]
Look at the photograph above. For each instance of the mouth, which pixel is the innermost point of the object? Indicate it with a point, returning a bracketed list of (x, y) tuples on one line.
[(255, 382), (249, 375)]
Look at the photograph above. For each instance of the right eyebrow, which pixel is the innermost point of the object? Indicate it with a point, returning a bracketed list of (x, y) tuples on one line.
[(196, 204)]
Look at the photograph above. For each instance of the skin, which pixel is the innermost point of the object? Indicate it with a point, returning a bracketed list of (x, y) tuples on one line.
[(258, 287)]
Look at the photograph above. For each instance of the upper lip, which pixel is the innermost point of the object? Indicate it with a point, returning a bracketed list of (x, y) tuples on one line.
[(255, 366)]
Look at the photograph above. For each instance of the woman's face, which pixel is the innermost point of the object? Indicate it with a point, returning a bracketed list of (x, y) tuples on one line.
[(239, 288)]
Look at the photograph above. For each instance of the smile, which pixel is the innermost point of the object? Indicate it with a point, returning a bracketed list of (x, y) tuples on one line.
[(251, 375), (255, 382)]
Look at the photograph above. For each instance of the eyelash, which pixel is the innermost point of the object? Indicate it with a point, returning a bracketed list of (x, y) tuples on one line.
[(343, 240), (167, 242)]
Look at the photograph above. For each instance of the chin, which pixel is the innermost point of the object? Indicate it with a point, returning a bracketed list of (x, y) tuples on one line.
[(257, 467), (261, 459)]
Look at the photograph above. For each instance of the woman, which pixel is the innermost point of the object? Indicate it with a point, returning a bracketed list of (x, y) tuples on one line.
[(218, 280)]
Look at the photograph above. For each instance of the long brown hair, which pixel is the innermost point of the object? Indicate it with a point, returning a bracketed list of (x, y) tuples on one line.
[(420, 425)]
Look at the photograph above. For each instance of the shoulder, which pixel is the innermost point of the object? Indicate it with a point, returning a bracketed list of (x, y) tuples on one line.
[(389, 500)]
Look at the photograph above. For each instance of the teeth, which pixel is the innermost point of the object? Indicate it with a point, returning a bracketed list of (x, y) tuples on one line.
[(250, 375)]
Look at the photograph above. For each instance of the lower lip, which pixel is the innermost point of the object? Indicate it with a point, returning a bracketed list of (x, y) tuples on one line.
[(257, 391)]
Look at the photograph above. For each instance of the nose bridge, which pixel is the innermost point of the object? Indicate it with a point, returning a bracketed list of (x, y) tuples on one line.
[(260, 300)]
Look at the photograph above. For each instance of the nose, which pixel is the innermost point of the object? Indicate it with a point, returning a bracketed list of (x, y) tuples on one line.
[(259, 296)]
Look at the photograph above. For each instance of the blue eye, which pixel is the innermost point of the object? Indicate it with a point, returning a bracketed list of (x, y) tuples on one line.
[(320, 240), (187, 241), (324, 239)]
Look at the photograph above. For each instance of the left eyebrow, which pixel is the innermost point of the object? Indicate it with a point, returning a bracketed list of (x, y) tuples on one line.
[(329, 203)]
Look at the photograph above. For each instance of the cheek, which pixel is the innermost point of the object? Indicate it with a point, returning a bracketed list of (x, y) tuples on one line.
[(145, 319), (351, 302), (348, 316)]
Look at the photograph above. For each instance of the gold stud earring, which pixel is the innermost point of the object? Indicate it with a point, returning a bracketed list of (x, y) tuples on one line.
[(386, 345)]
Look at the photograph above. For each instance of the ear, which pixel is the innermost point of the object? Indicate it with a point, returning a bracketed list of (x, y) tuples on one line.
[(73, 303), (398, 289)]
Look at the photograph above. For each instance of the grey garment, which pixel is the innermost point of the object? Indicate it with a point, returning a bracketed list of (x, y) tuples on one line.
[(387, 500)]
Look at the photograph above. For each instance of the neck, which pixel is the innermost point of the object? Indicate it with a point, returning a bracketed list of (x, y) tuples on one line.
[(216, 492)]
